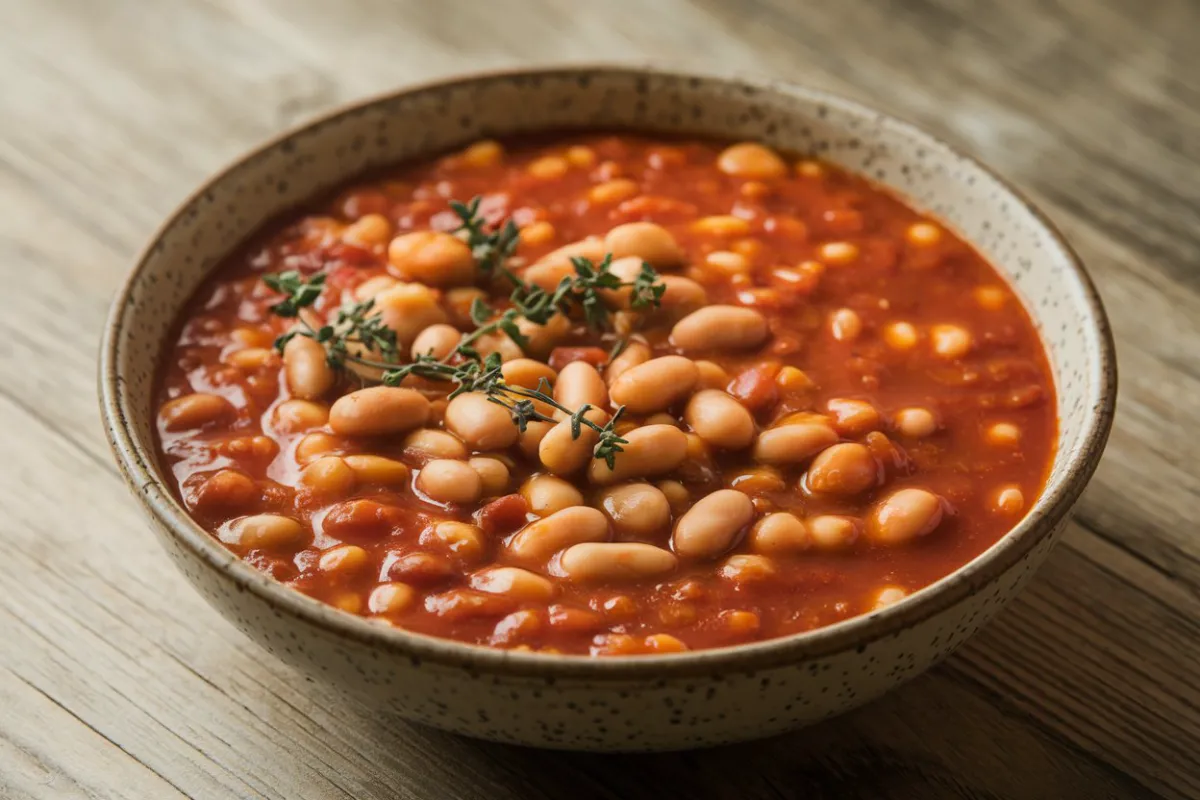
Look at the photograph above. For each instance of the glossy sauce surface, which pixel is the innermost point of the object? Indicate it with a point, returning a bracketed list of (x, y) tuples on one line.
[(896, 366)]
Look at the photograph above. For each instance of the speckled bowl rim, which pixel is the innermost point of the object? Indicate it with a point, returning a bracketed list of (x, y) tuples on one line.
[(135, 459)]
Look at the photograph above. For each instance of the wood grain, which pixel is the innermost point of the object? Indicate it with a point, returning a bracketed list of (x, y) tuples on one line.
[(117, 681)]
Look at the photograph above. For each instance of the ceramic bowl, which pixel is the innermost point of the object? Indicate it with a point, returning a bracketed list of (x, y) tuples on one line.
[(620, 703)]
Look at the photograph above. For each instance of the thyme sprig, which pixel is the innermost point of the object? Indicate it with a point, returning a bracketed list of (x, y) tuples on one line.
[(359, 336)]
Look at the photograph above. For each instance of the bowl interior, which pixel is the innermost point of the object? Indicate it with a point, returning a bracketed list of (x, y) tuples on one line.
[(419, 122)]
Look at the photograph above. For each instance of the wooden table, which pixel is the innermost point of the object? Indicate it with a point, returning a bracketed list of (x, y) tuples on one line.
[(117, 680)]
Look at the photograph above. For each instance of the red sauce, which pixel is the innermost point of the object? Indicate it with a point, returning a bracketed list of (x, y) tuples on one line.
[(871, 307)]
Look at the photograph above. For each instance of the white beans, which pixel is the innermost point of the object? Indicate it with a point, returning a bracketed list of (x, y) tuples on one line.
[(853, 417), (191, 411), (539, 540), (480, 423), (547, 494), (564, 454), (308, 373), (719, 419), (377, 469), (915, 423), (713, 524), (514, 582), (377, 411), (463, 539), (751, 161), (637, 510), (430, 443), (650, 450), (266, 532), (434, 258), (391, 598), (720, 328), (527, 373), (794, 442), (437, 341), (780, 532), (843, 469), (446, 481), (294, 416), (905, 515), (655, 384), (615, 561), (408, 309), (493, 473), (646, 241), (580, 383), (345, 559), (635, 353), (832, 533), (329, 476), (950, 341)]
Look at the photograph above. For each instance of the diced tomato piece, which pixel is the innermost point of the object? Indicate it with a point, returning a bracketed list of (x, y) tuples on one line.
[(756, 387)]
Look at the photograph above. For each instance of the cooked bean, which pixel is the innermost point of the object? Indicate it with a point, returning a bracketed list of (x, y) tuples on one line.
[(548, 168), (650, 450), (634, 353), (457, 605), (713, 524), (329, 476), (446, 481), (438, 341), (266, 532), (679, 498), (547, 494), (595, 562), (905, 515), (547, 274), (522, 624), (344, 559), (712, 375), (853, 417), (423, 569), (493, 474), (391, 598), (192, 411), (484, 153), (654, 385), (837, 253), (626, 269), (591, 248), (644, 240), (990, 298), (482, 424), (561, 452), (377, 411), (293, 416), (369, 230), (514, 582), (637, 510), (408, 309), (1003, 434), (429, 443), (1009, 500), (251, 359), (537, 233), (843, 469), (845, 324), (377, 469), (751, 161), (612, 191), (887, 596), (916, 423), (950, 341), (720, 328), (308, 373), (719, 419), (316, 445), (527, 373), (541, 539), (434, 258), (530, 439), (226, 489), (780, 533), (373, 286), (681, 295), (463, 539), (724, 225), (758, 481), (923, 234), (541, 339), (747, 569), (580, 383), (794, 442), (901, 336)]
